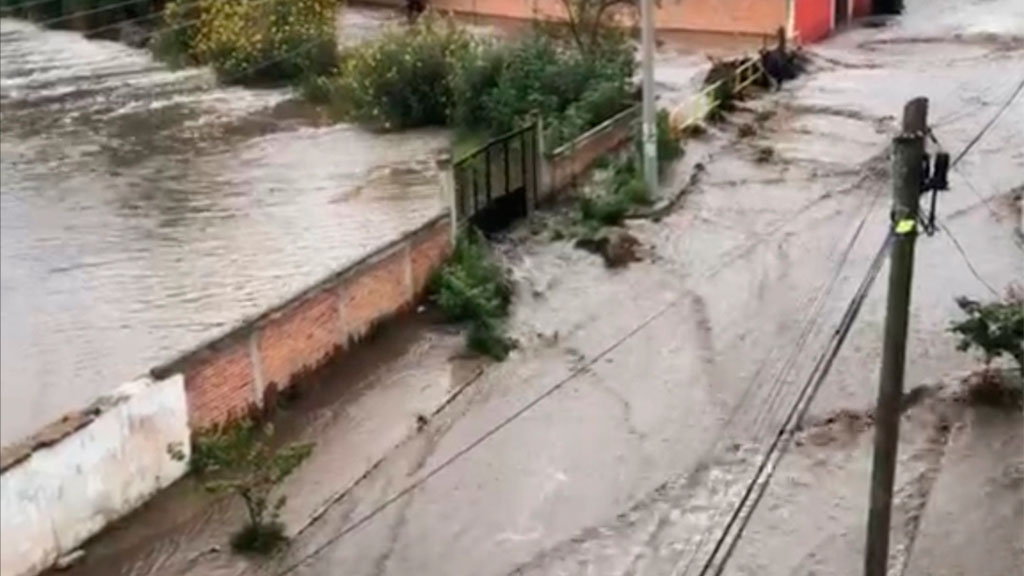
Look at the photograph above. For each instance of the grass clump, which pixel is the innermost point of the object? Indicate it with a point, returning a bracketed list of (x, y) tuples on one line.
[(626, 187), (471, 287)]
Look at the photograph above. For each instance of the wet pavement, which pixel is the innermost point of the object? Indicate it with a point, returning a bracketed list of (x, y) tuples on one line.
[(145, 210), (635, 465), (660, 385)]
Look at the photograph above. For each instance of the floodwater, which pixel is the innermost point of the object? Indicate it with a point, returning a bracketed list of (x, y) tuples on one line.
[(145, 210)]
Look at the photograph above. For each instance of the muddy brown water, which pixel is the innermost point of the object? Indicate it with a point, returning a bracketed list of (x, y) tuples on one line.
[(145, 210)]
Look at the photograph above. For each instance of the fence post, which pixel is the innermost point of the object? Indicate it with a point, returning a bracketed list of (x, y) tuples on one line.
[(541, 168), (446, 176)]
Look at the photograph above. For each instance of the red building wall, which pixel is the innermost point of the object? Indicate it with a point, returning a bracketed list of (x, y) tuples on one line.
[(812, 19), (861, 8)]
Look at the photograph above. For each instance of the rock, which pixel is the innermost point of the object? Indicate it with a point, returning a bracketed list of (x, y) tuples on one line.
[(617, 247), (70, 559)]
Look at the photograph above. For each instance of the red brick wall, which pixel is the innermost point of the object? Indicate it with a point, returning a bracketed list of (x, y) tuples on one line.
[(228, 377), (379, 292), (219, 385), (299, 338)]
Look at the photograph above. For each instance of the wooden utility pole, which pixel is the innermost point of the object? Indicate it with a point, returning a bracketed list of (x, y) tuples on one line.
[(649, 128), (908, 154)]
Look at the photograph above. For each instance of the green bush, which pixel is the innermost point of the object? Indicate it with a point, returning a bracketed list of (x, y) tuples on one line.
[(995, 328), (403, 79), (605, 210), (502, 86), (239, 458), (251, 41), (472, 287)]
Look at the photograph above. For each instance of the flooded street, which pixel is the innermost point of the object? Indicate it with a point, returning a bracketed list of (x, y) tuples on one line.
[(623, 432), (146, 210)]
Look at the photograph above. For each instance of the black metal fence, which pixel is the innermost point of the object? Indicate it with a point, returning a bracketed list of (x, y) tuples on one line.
[(495, 183)]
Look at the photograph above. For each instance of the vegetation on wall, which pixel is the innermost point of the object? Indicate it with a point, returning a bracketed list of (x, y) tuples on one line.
[(251, 41), (435, 74), (404, 78), (472, 288), (625, 184)]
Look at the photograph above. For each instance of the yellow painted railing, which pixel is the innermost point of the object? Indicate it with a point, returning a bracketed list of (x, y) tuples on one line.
[(702, 104)]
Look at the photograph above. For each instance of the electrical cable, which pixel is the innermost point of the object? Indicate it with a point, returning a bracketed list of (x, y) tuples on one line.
[(799, 409), (66, 17), (966, 258), (780, 443), (762, 419), (989, 124)]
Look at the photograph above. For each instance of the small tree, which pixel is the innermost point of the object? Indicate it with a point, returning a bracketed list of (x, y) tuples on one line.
[(591, 21), (996, 328), (238, 458)]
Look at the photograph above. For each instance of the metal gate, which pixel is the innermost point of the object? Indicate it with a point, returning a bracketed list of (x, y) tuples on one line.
[(495, 184)]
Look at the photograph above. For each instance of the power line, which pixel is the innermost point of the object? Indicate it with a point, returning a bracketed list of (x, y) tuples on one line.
[(966, 258), (989, 124), (759, 483), (763, 418), (483, 438), (72, 16), (762, 477), (511, 418)]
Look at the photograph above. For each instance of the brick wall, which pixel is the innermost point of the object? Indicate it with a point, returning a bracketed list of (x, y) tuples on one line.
[(235, 373), (575, 158)]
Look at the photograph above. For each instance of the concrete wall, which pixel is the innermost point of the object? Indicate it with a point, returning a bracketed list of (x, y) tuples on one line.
[(59, 494), (243, 370), (571, 160)]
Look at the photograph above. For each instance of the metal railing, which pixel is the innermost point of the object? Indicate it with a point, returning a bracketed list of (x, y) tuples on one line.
[(495, 182), (702, 104)]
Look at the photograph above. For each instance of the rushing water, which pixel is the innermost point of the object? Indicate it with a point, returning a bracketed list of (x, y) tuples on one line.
[(145, 210)]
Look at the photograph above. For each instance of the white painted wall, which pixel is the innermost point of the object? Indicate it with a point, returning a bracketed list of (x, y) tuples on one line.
[(61, 495)]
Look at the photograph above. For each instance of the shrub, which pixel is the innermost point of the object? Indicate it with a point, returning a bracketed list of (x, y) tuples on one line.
[(604, 210), (403, 79), (237, 458), (252, 41), (472, 288), (995, 328), (502, 86)]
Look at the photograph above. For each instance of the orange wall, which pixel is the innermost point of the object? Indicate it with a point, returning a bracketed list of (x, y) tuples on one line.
[(725, 16)]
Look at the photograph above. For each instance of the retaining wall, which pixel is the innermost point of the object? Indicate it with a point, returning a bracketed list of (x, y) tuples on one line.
[(573, 159), (67, 482), (90, 469), (243, 370), (73, 478)]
